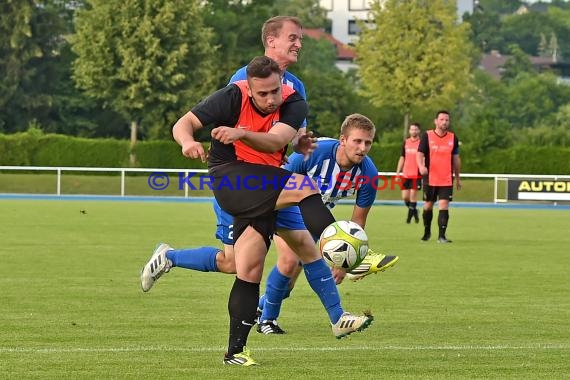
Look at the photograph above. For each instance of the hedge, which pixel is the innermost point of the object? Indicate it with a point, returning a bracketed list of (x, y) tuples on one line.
[(36, 149)]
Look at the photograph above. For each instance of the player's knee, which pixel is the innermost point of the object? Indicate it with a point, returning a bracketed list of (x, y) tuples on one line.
[(288, 266), (225, 263)]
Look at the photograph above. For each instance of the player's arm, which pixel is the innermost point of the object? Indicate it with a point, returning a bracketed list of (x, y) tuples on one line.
[(276, 139), (291, 116), (400, 165), (365, 197), (456, 162), (457, 170), (420, 155), (304, 142), (222, 107), (183, 133), (360, 214)]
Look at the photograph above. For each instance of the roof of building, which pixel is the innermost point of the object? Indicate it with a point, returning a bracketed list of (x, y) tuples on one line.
[(494, 62), (343, 52)]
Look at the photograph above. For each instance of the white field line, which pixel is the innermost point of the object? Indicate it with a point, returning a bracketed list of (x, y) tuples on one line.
[(50, 350)]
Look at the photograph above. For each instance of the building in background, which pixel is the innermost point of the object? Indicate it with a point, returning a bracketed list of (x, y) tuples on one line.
[(344, 14)]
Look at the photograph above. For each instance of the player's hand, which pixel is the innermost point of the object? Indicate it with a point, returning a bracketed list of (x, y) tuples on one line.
[(193, 149), (227, 135), (423, 170), (338, 275), (458, 183), (306, 144)]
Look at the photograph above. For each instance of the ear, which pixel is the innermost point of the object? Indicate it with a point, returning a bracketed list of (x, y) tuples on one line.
[(271, 41)]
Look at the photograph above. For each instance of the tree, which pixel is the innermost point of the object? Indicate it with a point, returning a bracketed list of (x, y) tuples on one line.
[(148, 60), (26, 45), (236, 27), (416, 56), (524, 30), (543, 46), (500, 6), (518, 62), (553, 47), (310, 12), (485, 29)]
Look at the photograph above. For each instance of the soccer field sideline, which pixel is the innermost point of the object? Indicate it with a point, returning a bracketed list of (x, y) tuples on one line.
[(168, 199)]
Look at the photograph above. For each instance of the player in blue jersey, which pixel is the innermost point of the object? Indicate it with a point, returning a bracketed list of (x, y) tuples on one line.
[(341, 168), (282, 43), (285, 52)]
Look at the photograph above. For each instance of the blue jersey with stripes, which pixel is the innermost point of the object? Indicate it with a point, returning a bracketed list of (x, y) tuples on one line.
[(224, 230), (335, 183)]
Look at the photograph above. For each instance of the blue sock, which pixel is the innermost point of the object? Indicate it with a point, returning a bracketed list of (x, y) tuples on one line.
[(202, 259), (320, 278), (276, 287), (261, 303)]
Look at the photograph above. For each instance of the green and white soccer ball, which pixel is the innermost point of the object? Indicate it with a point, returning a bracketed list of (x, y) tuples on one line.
[(344, 244)]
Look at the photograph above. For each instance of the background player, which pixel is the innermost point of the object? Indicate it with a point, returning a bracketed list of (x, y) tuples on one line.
[(438, 160), (408, 166)]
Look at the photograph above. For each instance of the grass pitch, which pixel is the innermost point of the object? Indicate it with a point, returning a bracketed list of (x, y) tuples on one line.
[(493, 304)]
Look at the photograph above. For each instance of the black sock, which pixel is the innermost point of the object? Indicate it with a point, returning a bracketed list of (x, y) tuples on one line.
[(242, 306), (413, 205), (442, 220), (315, 214), (407, 203), (427, 216)]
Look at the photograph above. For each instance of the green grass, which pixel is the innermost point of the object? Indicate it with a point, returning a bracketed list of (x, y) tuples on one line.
[(474, 190), (494, 304)]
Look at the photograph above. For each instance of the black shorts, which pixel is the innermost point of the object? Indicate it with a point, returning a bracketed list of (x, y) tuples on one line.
[(433, 193), (249, 193), (412, 183)]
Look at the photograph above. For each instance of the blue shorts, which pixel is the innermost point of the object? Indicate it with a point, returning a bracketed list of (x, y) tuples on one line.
[(225, 225), (288, 218)]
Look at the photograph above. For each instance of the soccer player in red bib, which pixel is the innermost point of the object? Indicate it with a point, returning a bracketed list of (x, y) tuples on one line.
[(408, 170), (438, 162)]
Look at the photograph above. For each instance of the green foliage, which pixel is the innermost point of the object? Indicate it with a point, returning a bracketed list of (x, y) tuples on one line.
[(236, 27), (58, 150), (147, 60), (416, 56), (164, 154), (310, 12), (500, 6), (524, 30), (485, 30), (518, 62), (531, 97), (15, 149), (522, 159)]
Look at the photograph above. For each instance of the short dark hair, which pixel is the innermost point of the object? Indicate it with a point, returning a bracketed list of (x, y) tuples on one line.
[(262, 67), (416, 124), (357, 121), (443, 112), (273, 26)]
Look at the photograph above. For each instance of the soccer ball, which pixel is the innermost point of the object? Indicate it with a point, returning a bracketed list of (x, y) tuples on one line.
[(344, 244)]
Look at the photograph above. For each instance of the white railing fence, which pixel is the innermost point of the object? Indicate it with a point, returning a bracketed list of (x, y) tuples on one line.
[(497, 178)]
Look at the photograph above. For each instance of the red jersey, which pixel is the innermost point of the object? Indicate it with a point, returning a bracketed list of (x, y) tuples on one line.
[(409, 150), (441, 150), (251, 120)]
